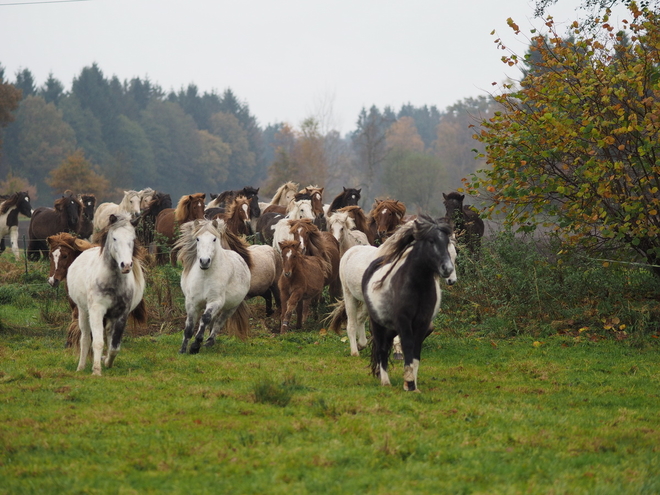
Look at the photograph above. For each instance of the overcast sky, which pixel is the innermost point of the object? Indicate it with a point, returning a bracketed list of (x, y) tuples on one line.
[(287, 59)]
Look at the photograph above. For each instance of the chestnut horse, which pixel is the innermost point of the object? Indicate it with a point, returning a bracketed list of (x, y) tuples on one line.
[(169, 221), (385, 216), (237, 217), (302, 280), (64, 248)]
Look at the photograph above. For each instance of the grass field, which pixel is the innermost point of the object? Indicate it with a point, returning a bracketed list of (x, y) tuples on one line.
[(524, 390)]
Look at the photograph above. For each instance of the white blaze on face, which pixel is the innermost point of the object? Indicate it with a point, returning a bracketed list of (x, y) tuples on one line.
[(246, 211), (302, 241)]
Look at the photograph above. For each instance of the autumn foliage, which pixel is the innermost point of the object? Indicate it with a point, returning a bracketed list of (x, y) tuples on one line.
[(577, 144)]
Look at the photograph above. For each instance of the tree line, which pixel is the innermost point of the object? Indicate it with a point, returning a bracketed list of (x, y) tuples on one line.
[(103, 136)]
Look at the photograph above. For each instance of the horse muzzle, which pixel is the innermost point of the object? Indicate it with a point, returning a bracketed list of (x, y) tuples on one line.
[(287, 274), (126, 267), (53, 282), (205, 264)]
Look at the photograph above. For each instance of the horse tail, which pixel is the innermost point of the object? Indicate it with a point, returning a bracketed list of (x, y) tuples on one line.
[(239, 322), (375, 351), (337, 317), (139, 314), (73, 332)]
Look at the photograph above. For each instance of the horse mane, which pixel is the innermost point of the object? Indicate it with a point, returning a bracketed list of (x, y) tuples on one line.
[(282, 190), (338, 200), (183, 207), (68, 195), (159, 201), (358, 216), (231, 208), (120, 220), (397, 207), (455, 195), (187, 242), (311, 189), (394, 248), (317, 243), (71, 241), (10, 201), (127, 197)]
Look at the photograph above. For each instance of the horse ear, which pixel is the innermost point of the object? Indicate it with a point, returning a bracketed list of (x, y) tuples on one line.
[(50, 240), (215, 223), (344, 189), (281, 243), (444, 196), (359, 190), (255, 192)]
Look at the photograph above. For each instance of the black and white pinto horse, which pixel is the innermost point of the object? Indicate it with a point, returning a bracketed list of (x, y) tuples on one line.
[(10, 207), (106, 283), (402, 293)]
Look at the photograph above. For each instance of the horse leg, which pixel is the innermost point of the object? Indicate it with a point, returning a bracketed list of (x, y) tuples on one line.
[(398, 351), (218, 323), (191, 320), (302, 311), (207, 317), (353, 313), (381, 347), (288, 306), (13, 236), (96, 314), (85, 338), (268, 298), (114, 342), (409, 342), (275, 291)]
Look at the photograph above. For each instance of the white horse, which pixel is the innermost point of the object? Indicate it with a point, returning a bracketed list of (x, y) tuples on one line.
[(351, 271), (215, 282), (297, 211), (130, 204), (106, 283), (343, 229)]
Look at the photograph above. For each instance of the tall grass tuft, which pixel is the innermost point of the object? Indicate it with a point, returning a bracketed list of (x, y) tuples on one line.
[(266, 391)]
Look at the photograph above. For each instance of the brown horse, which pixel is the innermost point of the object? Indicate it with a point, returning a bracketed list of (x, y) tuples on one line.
[(323, 244), (168, 221), (467, 224), (237, 217), (302, 280), (86, 226), (63, 217), (385, 216), (64, 248), (147, 220), (348, 197)]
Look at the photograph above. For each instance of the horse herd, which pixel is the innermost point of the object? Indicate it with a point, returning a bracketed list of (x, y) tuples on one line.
[(383, 265)]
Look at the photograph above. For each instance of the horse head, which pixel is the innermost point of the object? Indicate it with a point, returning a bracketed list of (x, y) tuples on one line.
[(290, 254), (64, 249), (71, 207), (118, 242), (351, 196), (146, 195), (453, 206), (439, 237), (89, 203), (23, 204), (387, 215), (131, 202)]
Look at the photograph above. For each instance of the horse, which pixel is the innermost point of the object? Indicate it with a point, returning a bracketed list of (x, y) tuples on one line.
[(361, 221), (342, 226), (266, 226), (315, 242), (130, 204), (64, 248), (298, 209), (315, 193), (402, 294), (348, 197), (468, 225), (226, 198), (237, 217), (385, 216), (351, 308), (283, 196), (214, 281), (86, 226), (63, 217), (10, 207), (106, 283), (146, 195), (301, 281), (265, 267), (147, 220), (190, 207)]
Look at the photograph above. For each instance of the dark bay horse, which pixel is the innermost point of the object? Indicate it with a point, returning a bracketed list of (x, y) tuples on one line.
[(147, 220), (401, 290), (468, 225), (86, 227), (10, 207), (63, 217), (348, 197), (237, 216), (169, 221)]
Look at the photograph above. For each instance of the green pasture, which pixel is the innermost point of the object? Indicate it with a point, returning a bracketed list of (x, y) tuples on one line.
[(533, 392)]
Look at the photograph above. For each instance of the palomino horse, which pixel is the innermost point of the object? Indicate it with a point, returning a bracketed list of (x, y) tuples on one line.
[(170, 220), (106, 283), (302, 280), (130, 204), (283, 196), (215, 282), (385, 216), (318, 243), (146, 195), (10, 207), (348, 197), (342, 226), (402, 293), (468, 225), (351, 308), (63, 217)]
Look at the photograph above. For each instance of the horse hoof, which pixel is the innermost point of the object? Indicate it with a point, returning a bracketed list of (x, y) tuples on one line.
[(209, 342), (194, 348), (398, 356)]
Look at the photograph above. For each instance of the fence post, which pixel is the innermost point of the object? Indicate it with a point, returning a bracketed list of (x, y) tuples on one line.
[(25, 256)]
